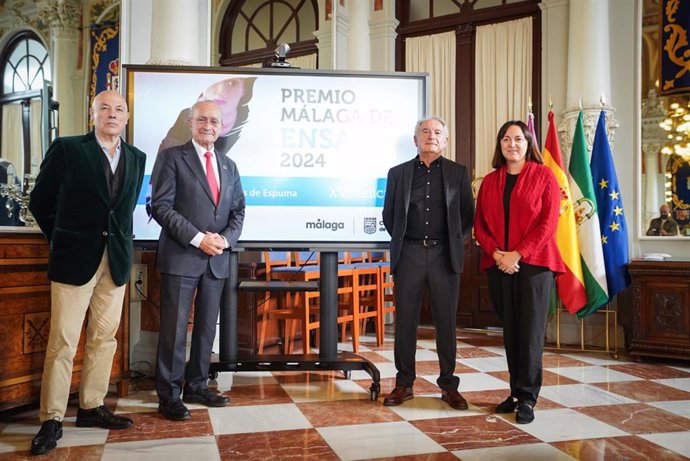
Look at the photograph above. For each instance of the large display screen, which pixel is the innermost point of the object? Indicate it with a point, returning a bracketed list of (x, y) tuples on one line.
[(313, 148)]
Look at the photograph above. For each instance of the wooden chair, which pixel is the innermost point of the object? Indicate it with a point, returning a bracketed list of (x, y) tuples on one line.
[(305, 258), (366, 298), (298, 307), (274, 261), (353, 257), (387, 298), (303, 307)]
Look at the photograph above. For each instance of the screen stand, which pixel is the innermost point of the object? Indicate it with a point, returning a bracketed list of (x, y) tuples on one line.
[(328, 357)]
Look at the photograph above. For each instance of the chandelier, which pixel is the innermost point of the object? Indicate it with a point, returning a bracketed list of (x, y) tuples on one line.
[(677, 126)]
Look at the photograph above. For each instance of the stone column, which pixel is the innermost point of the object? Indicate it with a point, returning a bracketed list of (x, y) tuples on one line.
[(554, 57), (175, 35), (589, 72), (324, 37), (333, 36), (358, 44), (342, 33), (382, 25), (654, 139), (65, 17)]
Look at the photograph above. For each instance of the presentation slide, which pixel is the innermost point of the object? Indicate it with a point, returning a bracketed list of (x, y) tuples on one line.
[(313, 148)]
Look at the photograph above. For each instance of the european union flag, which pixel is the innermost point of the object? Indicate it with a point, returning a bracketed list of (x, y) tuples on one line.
[(614, 230)]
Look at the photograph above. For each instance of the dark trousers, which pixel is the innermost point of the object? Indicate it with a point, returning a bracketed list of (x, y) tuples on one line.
[(522, 303), (177, 295), (421, 268)]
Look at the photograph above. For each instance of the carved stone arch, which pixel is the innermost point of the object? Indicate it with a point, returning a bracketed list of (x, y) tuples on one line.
[(251, 30)]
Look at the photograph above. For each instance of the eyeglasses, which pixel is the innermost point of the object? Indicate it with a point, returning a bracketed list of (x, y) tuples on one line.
[(204, 121)]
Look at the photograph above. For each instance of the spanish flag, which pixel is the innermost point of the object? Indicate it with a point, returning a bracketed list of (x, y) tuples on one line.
[(570, 285)]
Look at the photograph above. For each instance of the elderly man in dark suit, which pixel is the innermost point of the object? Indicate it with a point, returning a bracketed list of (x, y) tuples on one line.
[(199, 203), (428, 211), (83, 202)]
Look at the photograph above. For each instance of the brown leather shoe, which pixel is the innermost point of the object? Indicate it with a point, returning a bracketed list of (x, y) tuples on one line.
[(398, 396), (454, 399)]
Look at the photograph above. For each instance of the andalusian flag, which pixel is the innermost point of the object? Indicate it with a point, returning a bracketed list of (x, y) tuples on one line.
[(570, 286), (614, 230), (588, 234)]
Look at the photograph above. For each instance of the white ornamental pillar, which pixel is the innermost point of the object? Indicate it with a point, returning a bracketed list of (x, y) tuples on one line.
[(382, 26), (180, 32), (333, 36), (589, 64), (554, 57), (324, 38), (589, 71), (342, 33), (358, 45), (654, 139), (64, 17)]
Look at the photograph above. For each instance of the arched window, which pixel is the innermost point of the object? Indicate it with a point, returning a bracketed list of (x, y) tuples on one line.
[(251, 30), (24, 69)]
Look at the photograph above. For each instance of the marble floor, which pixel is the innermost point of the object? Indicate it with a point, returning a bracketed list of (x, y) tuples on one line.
[(592, 407)]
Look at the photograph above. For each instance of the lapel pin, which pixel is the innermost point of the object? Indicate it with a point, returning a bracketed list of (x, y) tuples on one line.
[(225, 167)]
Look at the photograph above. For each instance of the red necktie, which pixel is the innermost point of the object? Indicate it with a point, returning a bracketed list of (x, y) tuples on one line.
[(211, 177)]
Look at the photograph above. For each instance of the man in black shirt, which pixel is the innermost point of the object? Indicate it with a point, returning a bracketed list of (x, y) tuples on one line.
[(428, 211)]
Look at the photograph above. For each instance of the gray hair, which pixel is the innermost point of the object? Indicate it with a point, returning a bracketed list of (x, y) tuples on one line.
[(194, 106), (435, 118)]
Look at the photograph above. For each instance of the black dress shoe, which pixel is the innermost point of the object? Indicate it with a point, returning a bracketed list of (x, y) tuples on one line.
[(47, 437), (101, 417), (398, 396), (173, 409), (507, 406), (525, 413), (454, 399), (206, 397)]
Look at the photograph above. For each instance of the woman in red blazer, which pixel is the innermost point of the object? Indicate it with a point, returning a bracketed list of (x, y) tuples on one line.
[(515, 224)]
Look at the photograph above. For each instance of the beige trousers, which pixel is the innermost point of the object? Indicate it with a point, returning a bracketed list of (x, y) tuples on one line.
[(102, 299)]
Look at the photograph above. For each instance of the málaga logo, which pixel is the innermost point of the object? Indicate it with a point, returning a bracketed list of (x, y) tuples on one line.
[(321, 224)]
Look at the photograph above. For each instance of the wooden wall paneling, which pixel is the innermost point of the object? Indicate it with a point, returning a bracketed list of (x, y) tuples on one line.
[(25, 314)]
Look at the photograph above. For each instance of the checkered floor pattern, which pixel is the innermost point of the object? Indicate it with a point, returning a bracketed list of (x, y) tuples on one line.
[(591, 407)]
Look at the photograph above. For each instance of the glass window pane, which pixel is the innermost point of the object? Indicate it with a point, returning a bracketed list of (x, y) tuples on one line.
[(17, 54), (7, 81), (36, 49), (445, 7), (34, 75), (419, 10), (27, 66), (19, 77), (306, 24), (238, 42), (490, 3)]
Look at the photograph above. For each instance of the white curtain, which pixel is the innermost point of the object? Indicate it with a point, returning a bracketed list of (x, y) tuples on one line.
[(12, 147), (435, 54), (503, 76)]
